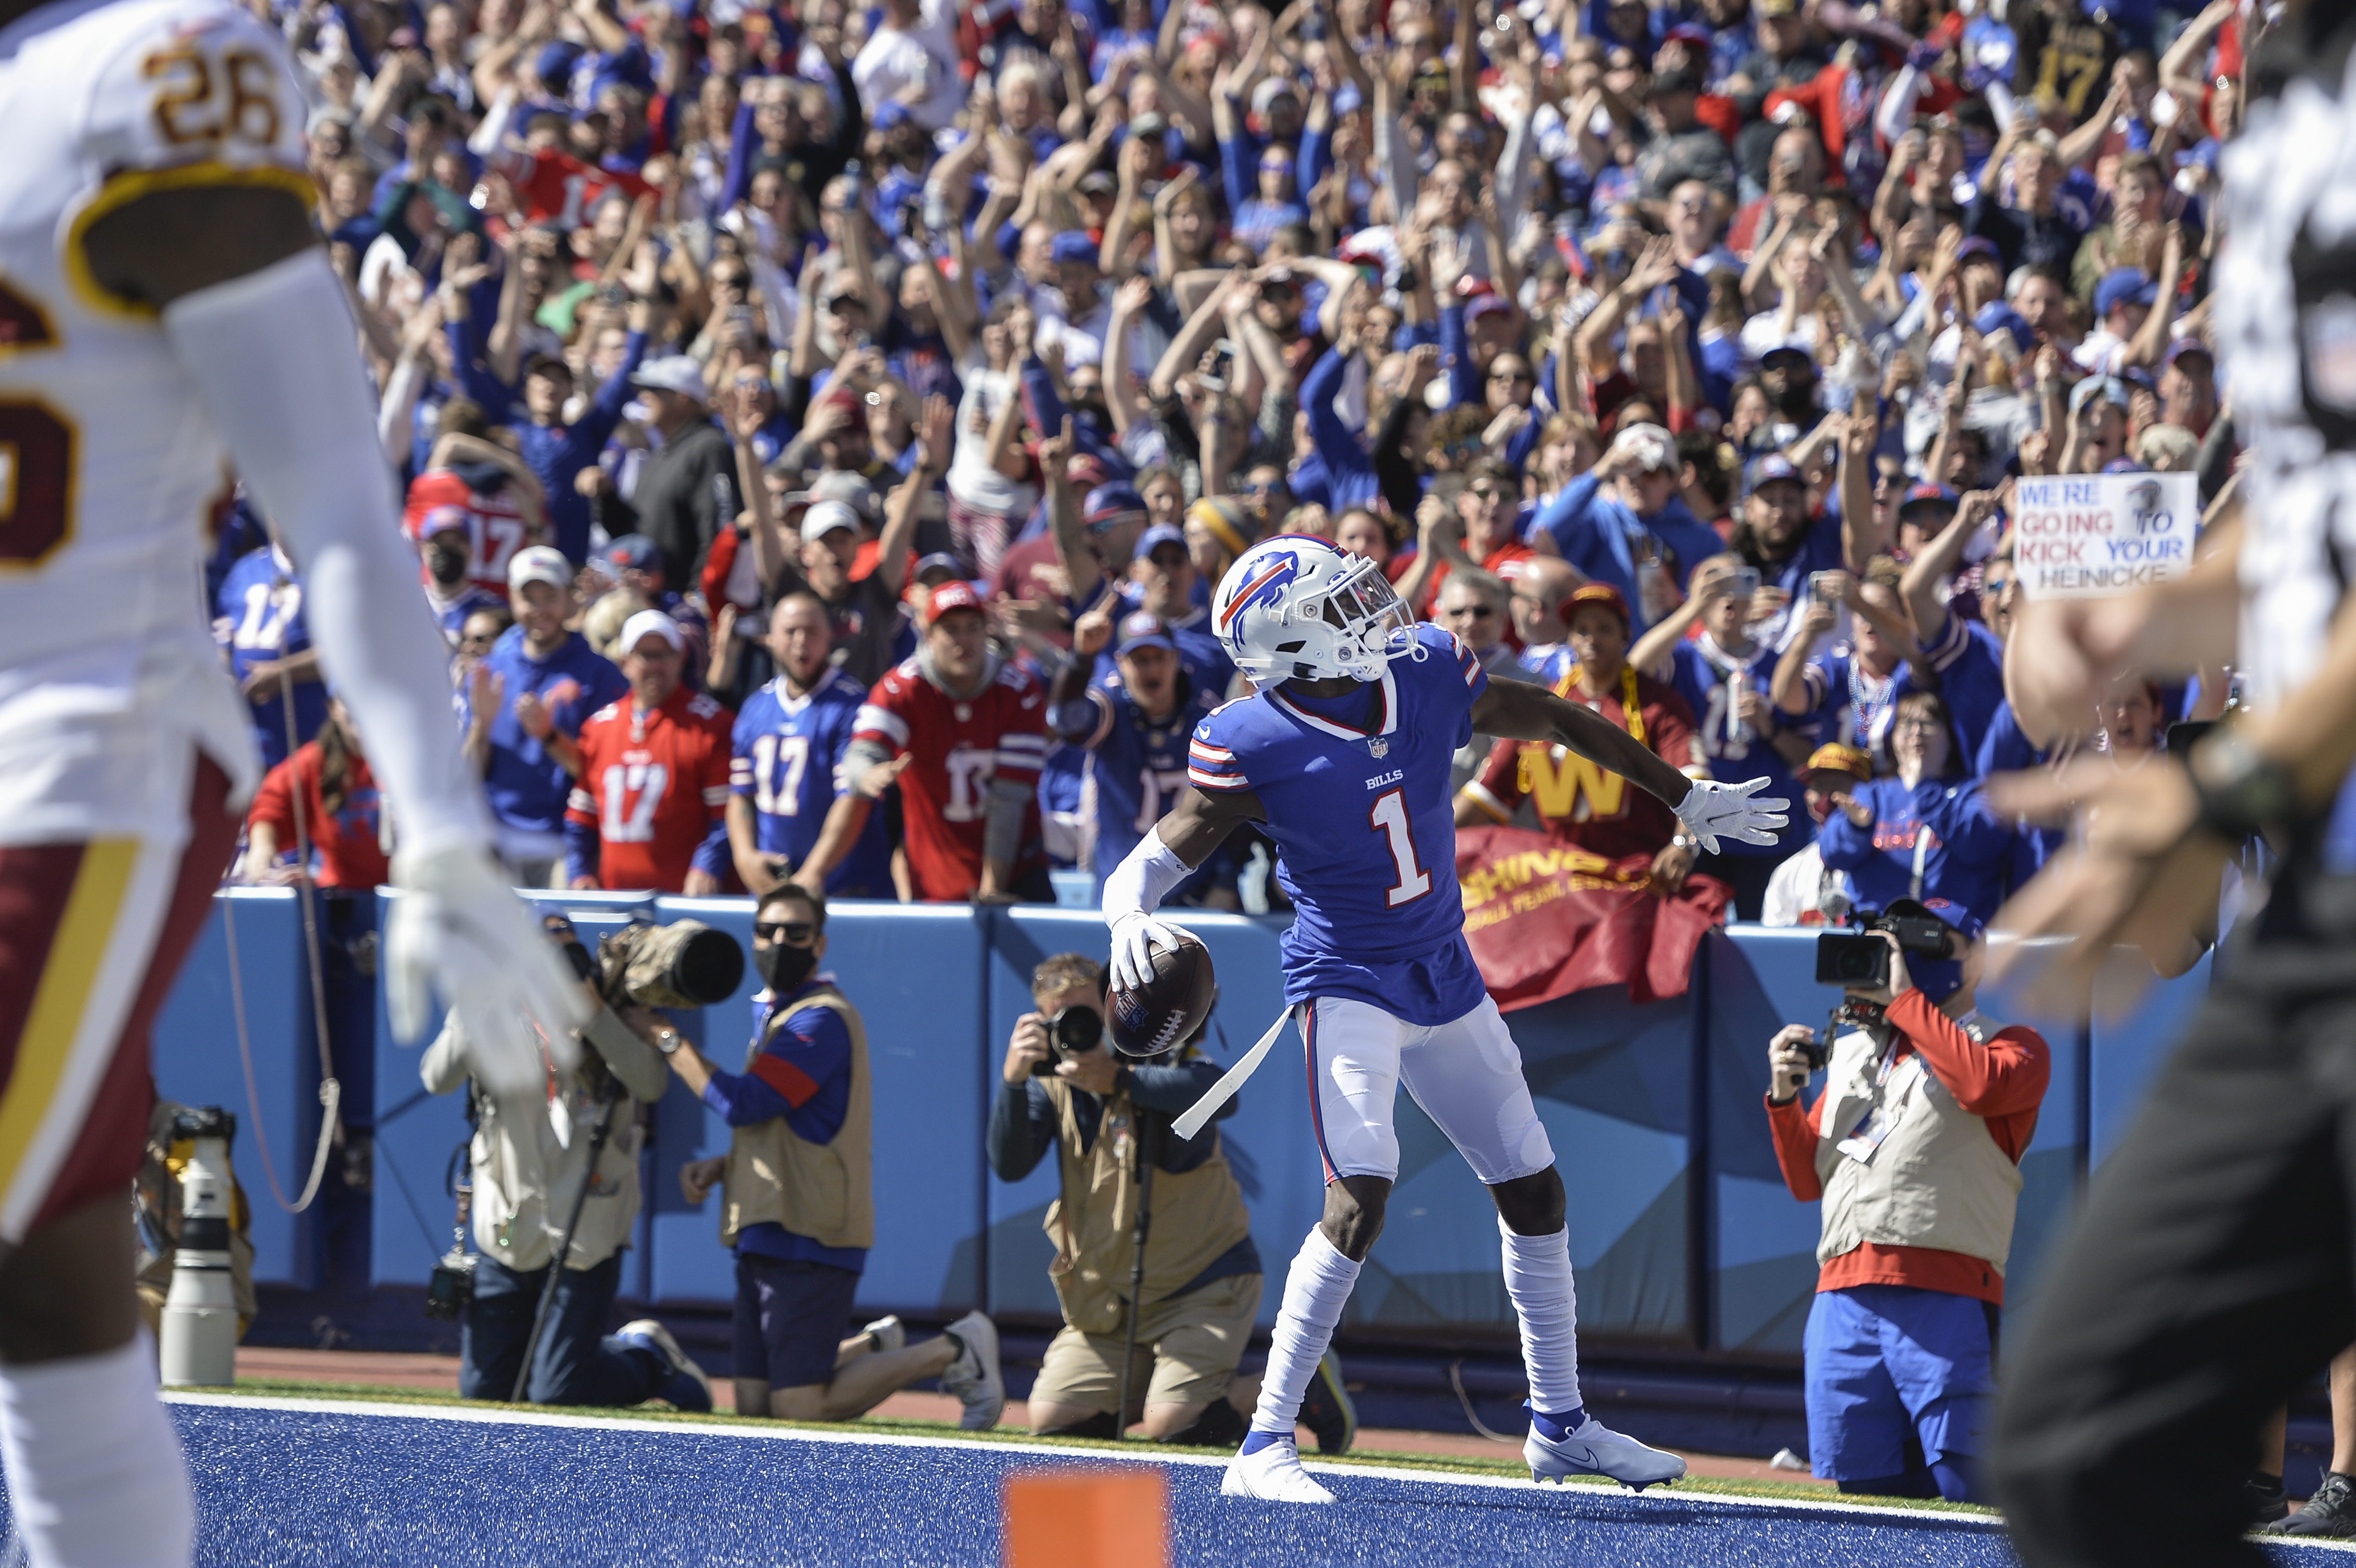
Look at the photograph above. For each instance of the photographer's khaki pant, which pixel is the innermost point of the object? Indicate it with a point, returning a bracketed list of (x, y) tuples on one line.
[(1187, 1349)]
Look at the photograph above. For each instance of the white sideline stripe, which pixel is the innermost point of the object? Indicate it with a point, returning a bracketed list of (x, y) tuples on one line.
[(1680, 1493)]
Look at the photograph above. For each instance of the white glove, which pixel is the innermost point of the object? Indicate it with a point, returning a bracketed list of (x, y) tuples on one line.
[(459, 930), (1134, 937), (1712, 809)]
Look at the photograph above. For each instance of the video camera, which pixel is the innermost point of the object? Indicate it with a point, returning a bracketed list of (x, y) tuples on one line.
[(683, 964), (1069, 1033), (1858, 959)]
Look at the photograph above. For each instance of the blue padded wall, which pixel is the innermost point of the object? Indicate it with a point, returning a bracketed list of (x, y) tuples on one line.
[(914, 974), (197, 1063)]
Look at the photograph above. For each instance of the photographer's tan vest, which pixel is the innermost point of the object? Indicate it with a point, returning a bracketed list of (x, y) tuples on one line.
[(823, 1191), (1197, 1216), (1938, 1178)]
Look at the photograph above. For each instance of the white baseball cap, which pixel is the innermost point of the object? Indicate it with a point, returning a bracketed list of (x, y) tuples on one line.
[(539, 563), (651, 623), (824, 517), (671, 373)]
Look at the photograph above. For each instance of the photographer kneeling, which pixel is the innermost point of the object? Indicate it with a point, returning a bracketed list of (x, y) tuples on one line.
[(530, 1157), (1914, 1146), (1064, 1091), (798, 1198)]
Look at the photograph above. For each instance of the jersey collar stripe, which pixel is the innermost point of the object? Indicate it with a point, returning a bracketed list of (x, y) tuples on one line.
[(1346, 732)]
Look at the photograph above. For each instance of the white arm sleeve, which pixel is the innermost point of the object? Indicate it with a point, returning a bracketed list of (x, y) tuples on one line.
[(273, 355), (1139, 883)]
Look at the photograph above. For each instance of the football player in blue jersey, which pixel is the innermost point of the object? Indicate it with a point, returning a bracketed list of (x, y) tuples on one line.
[(1135, 723), (789, 742), (1342, 756)]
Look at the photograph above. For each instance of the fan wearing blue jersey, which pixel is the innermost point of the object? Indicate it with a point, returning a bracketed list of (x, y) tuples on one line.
[(789, 744), (1134, 723), (1725, 675), (259, 622), (1342, 756)]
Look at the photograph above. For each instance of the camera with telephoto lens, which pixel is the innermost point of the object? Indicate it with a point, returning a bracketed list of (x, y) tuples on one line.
[(1858, 959), (683, 964), (1070, 1032)]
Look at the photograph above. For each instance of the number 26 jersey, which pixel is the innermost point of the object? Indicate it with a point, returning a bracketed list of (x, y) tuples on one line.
[(1355, 792), (108, 461)]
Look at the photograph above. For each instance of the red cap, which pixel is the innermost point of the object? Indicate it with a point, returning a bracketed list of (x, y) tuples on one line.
[(957, 594), (1596, 593)]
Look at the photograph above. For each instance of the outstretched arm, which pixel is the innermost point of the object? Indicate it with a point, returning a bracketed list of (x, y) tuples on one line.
[(1515, 710), (1519, 711)]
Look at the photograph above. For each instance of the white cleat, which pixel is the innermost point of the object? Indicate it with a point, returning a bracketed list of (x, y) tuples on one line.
[(1273, 1473), (974, 1377), (1596, 1450)]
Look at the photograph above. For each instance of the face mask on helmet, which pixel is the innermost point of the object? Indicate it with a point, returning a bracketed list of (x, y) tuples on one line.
[(1300, 608)]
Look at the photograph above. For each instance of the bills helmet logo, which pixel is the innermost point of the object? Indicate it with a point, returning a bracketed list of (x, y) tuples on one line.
[(1271, 577)]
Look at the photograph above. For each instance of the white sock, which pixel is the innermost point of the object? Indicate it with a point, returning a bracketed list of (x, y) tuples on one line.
[(1315, 1291), (1537, 1276), (95, 1475)]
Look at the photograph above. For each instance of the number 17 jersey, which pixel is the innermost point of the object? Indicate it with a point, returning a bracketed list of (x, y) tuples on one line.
[(1355, 793)]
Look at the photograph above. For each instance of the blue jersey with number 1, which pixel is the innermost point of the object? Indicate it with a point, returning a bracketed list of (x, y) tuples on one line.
[(786, 751), (1355, 792)]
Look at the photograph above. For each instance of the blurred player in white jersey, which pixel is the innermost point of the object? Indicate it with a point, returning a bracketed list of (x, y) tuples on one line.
[(166, 307)]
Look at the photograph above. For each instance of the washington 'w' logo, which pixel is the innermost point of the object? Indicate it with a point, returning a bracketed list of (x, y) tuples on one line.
[(1275, 573)]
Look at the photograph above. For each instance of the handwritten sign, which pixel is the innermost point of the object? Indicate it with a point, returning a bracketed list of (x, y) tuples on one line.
[(2089, 535)]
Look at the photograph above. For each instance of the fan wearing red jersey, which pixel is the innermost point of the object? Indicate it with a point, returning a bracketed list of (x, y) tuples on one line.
[(500, 521), (965, 733), (650, 807)]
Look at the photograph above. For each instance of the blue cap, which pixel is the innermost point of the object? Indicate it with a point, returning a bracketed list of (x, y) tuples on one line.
[(1996, 316), (1940, 495), (1159, 535), (1143, 629), (1767, 469), (634, 553), (2109, 388), (2123, 285), (889, 115), (1107, 504), (554, 67), (1938, 978), (1074, 245), (1978, 245)]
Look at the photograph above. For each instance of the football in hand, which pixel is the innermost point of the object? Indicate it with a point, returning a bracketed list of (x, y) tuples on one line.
[(1165, 1011)]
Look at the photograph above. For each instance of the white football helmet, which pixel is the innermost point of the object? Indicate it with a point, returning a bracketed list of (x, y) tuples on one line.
[(1295, 606)]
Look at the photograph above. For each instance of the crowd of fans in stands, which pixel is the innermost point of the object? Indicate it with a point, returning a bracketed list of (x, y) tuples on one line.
[(1681, 356)]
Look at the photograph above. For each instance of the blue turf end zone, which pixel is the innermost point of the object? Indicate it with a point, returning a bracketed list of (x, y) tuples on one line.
[(318, 1483)]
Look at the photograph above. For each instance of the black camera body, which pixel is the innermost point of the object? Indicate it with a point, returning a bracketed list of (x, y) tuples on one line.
[(1850, 1014), (451, 1288), (1858, 959), (1069, 1033)]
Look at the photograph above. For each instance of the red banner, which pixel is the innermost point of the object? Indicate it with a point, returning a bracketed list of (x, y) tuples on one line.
[(1545, 919)]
